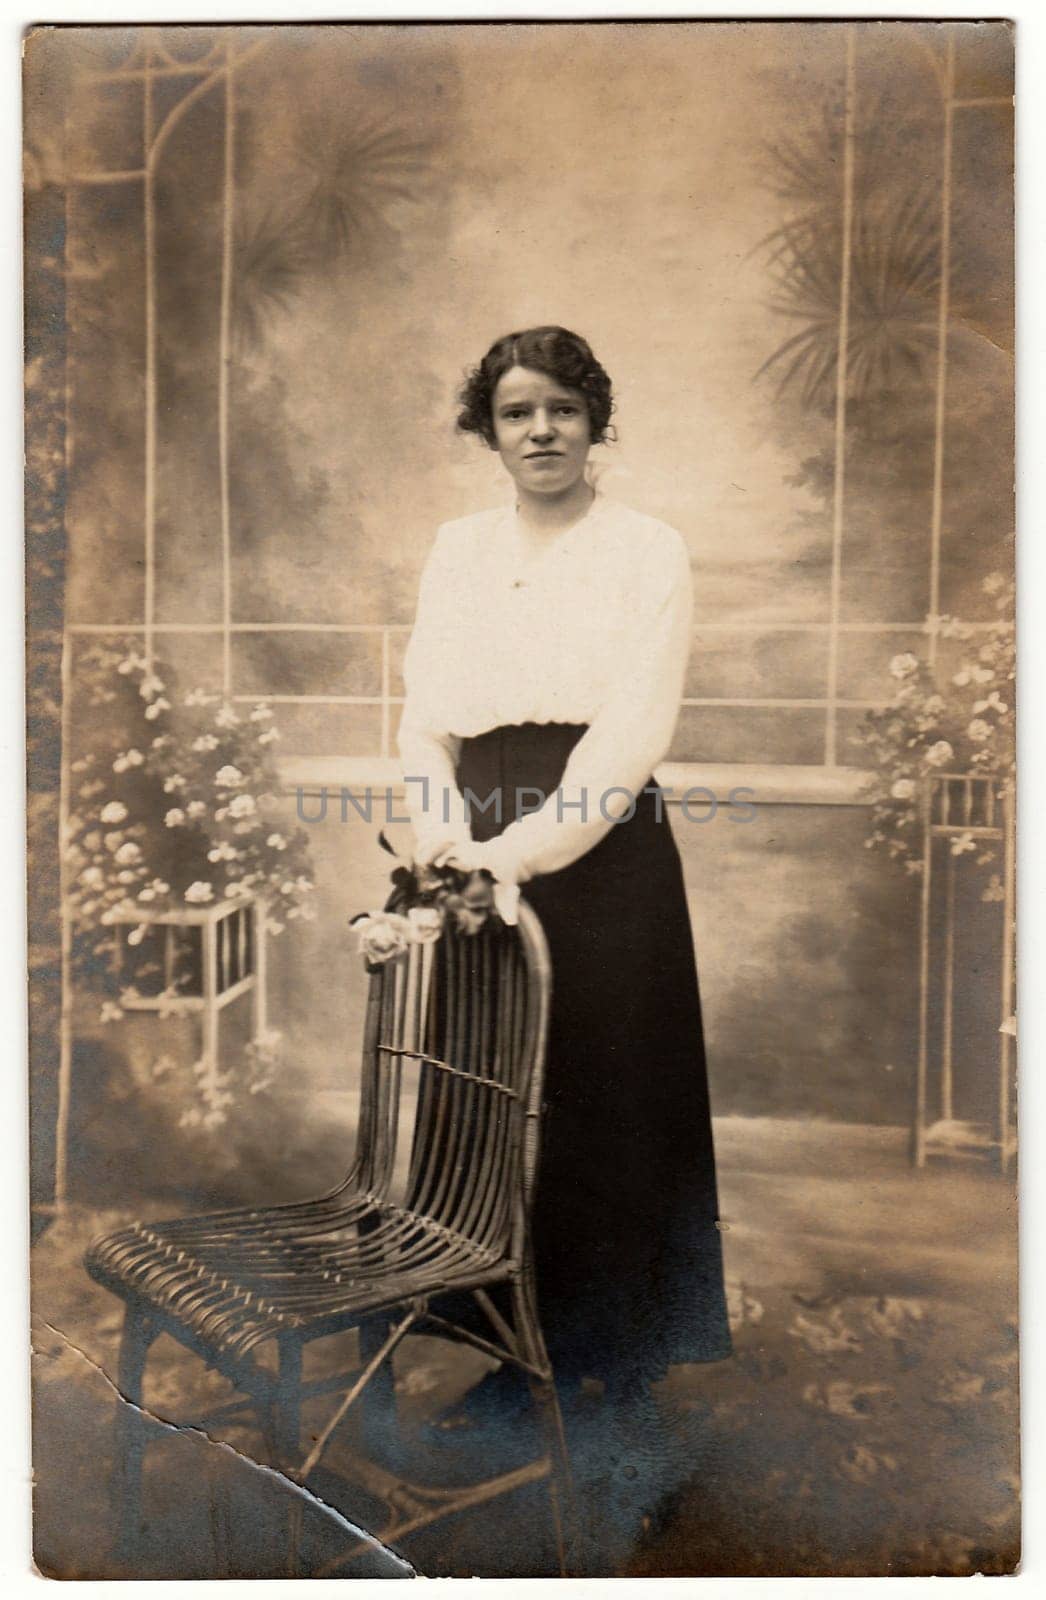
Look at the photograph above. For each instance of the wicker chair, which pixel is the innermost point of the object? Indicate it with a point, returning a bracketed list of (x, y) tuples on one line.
[(436, 1203)]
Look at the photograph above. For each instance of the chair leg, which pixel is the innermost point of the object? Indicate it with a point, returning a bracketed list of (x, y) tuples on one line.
[(377, 1404), (287, 1403), (219, 1509), (129, 1432), (286, 1432), (543, 1391)]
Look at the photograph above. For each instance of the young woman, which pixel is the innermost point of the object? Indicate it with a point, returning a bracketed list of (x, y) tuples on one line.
[(543, 678)]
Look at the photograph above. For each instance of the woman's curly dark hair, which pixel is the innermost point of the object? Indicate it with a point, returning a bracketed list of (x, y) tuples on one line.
[(558, 353)]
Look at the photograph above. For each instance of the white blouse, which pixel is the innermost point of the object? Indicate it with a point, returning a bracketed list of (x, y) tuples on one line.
[(593, 629)]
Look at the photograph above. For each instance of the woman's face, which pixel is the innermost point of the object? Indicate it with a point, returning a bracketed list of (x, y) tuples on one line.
[(542, 431)]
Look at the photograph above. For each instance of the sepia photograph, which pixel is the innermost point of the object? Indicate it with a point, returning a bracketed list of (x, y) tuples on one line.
[(520, 599)]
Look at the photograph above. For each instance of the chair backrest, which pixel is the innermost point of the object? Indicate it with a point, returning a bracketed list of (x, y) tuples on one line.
[(453, 1073)]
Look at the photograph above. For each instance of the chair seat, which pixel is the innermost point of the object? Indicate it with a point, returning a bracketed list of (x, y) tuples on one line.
[(237, 1278)]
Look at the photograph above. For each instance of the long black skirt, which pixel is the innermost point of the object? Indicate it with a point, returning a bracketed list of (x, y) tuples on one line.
[(626, 1242)]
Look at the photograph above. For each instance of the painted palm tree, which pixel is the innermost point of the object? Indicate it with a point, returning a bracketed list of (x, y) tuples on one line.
[(352, 173), (350, 176), (894, 270)]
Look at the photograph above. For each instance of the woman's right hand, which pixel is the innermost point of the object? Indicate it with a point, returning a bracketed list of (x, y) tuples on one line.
[(435, 849)]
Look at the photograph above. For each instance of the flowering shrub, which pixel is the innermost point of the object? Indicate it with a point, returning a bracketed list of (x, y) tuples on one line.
[(964, 725), (423, 899), (168, 810)]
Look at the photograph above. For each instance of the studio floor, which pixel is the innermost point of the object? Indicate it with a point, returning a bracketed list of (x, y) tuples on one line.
[(866, 1424)]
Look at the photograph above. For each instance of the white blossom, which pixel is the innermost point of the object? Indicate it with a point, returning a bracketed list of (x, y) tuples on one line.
[(426, 924), (228, 777), (128, 853), (242, 806), (902, 666), (276, 841), (940, 754), (903, 789), (173, 783), (198, 892), (175, 817), (979, 730), (993, 703), (115, 811), (196, 808), (206, 741)]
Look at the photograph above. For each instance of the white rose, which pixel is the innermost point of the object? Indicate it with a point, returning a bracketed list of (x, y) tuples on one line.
[(904, 665), (115, 811), (940, 754), (903, 789), (199, 892), (979, 730), (228, 777), (128, 853), (242, 805), (426, 924), (383, 936), (175, 817)]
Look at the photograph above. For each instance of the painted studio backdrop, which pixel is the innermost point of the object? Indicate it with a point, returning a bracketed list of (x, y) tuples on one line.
[(258, 261)]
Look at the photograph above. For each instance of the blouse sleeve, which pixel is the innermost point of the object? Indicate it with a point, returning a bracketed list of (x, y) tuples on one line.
[(628, 736), (429, 752)]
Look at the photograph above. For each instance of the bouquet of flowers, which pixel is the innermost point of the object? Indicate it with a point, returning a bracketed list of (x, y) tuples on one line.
[(422, 901), (963, 725)]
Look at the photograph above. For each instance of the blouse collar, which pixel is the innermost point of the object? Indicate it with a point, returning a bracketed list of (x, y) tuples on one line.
[(595, 508)]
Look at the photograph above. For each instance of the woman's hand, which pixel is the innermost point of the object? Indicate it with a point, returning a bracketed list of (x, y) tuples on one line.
[(467, 854), (474, 856), (435, 849)]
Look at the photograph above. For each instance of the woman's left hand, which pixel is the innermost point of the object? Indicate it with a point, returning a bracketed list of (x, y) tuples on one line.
[(467, 854)]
